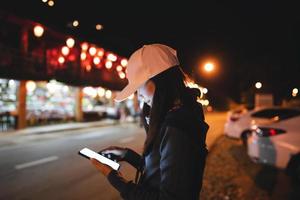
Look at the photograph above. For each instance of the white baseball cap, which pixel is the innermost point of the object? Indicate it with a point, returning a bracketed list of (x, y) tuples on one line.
[(146, 63)]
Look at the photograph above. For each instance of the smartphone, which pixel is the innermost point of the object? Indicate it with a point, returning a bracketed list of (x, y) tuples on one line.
[(88, 153)]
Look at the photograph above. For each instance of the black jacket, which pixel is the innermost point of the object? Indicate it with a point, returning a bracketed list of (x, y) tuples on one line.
[(174, 167)]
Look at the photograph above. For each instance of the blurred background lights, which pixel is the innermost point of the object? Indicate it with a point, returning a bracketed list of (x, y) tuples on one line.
[(99, 27), (122, 75), (61, 60), (119, 68), (38, 31), (84, 46), (108, 94), (30, 86), (124, 62), (65, 50), (111, 57), (70, 42), (12, 83), (52, 86), (101, 92), (88, 68), (92, 51), (75, 23), (295, 92), (90, 91), (66, 89), (100, 52), (51, 3), (258, 85), (108, 64), (204, 102), (96, 60), (83, 56)]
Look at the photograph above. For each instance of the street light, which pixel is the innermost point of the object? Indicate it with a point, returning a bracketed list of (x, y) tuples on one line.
[(51, 3), (295, 92), (75, 23), (258, 85), (209, 67), (99, 27)]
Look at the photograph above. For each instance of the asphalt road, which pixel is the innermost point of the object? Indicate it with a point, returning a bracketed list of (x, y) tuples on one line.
[(47, 166)]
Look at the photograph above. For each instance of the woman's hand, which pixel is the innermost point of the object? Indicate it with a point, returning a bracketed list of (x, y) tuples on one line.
[(104, 169), (114, 153)]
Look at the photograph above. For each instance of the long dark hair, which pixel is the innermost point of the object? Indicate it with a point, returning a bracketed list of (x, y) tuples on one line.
[(170, 89)]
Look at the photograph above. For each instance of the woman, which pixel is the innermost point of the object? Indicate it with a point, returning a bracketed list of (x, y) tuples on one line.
[(172, 164)]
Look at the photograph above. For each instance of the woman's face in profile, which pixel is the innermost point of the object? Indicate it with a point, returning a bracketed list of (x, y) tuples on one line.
[(146, 92)]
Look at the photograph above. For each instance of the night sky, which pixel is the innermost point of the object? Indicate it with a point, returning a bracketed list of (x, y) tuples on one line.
[(250, 40)]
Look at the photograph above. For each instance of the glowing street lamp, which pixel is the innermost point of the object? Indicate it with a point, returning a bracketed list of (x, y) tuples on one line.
[(51, 3), (209, 67), (258, 85), (75, 23), (295, 92), (99, 27)]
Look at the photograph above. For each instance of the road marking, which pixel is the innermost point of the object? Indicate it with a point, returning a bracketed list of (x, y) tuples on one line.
[(126, 140), (36, 162)]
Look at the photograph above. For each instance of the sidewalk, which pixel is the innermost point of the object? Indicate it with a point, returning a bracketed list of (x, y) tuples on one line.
[(59, 127)]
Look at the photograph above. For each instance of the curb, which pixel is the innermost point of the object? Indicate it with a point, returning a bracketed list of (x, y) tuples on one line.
[(31, 131)]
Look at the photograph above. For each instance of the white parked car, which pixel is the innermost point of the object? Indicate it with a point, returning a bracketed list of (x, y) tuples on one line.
[(239, 122), (277, 143)]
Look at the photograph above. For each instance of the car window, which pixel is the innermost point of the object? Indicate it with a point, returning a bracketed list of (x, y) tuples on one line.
[(280, 113)]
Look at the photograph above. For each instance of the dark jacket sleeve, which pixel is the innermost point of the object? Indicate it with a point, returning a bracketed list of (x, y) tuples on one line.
[(176, 172), (133, 158)]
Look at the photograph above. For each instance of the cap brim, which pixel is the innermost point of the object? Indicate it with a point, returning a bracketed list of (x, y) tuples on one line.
[(126, 92)]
